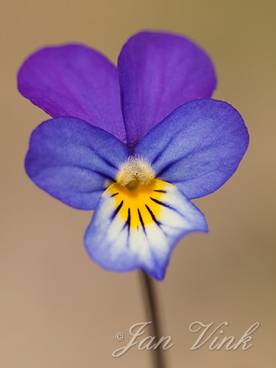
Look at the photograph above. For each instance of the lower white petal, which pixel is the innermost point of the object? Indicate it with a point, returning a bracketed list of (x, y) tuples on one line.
[(139, 228)]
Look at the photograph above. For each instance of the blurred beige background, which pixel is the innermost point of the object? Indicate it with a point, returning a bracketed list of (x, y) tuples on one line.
[(58, 309)]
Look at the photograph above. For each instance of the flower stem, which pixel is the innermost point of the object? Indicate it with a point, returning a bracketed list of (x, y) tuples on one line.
[(153, 316)]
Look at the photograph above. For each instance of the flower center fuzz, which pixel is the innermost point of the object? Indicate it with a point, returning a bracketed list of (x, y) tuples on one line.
[(135, 172)]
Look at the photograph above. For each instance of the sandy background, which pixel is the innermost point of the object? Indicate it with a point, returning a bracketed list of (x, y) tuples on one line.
[(58, 309)]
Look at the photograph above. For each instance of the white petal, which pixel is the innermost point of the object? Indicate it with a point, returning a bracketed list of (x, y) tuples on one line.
[(140, 230)]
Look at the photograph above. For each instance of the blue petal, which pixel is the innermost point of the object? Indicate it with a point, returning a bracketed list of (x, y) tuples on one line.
[(73, 161), (116, 244), (197, 147)]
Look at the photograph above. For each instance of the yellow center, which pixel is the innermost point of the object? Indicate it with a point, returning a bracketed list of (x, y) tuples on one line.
[(137, 194)]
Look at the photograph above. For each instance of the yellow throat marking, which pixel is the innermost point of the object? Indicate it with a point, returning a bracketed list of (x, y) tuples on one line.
[(138, 196)]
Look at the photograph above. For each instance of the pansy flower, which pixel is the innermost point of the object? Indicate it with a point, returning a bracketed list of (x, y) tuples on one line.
[(135, 143)]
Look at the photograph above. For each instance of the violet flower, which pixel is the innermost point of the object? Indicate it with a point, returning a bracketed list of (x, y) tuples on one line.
[(136, 143)]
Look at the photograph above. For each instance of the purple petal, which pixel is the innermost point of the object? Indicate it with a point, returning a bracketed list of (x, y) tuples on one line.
[(73, 161), (159, 72), (74, 80), (198, 147)]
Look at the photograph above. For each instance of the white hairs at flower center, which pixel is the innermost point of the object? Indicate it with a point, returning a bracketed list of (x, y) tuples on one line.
[(135, 171)]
